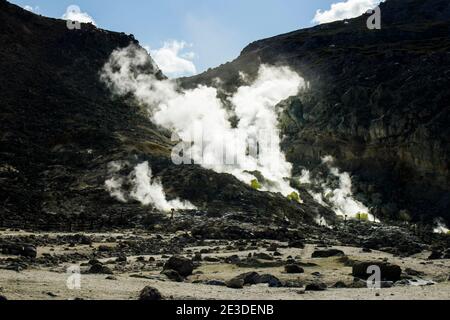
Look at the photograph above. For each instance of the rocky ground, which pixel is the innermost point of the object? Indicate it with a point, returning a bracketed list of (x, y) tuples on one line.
[(226, 262)]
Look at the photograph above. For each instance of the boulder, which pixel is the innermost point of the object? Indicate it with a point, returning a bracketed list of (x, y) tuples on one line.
[(446, 254), (94, 261), (316, 286), (121, 258), (150, 294), (234, 259), (99, 269), (235, 283), (181, 265), (250, 278), (414, 273), (173, 275), (327, 253), (293, 268), (18, 249), (197, 257), (29, 251), (436, 255), (389, 272), (298, 244), (358, 284), (263, 256), (271, 280)]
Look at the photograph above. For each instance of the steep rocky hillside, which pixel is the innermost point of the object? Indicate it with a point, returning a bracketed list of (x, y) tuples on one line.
[(60, 127), (378, 102)]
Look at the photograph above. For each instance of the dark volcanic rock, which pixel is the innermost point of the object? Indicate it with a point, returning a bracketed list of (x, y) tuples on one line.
[(173, 275), (316, 286), (235, 283), (181, 265), (150, 294), (436, 255), (271, 280), (18, 249), (389, 272), (250, 278), (99, 269), (121, 258), (327, 253), (393, 239), (299, 244), (293, 268)]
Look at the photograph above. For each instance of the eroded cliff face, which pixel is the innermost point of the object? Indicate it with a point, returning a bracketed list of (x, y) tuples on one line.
[(61, 127), (378, 102)]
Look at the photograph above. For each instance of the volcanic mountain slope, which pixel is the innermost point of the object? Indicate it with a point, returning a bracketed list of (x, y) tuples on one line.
[(378, 102), (61, 126)]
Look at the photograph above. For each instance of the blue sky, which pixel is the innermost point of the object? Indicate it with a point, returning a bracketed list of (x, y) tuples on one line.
[(214, 31)]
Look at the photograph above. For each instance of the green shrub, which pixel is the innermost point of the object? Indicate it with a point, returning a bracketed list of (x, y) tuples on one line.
[(362, 216), (255, 184), (294, 196)]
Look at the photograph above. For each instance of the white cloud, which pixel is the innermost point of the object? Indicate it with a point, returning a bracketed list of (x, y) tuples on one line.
[(172, 61), (74, 13), (345, 10), (31, 9)]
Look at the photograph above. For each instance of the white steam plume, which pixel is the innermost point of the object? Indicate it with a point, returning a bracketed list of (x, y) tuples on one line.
[(441, 227), (115, 183), (145, 189), (198, 112), (151, 192), (341, 199)]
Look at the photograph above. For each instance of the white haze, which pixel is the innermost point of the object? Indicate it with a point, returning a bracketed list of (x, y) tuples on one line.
[(198, 112)]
